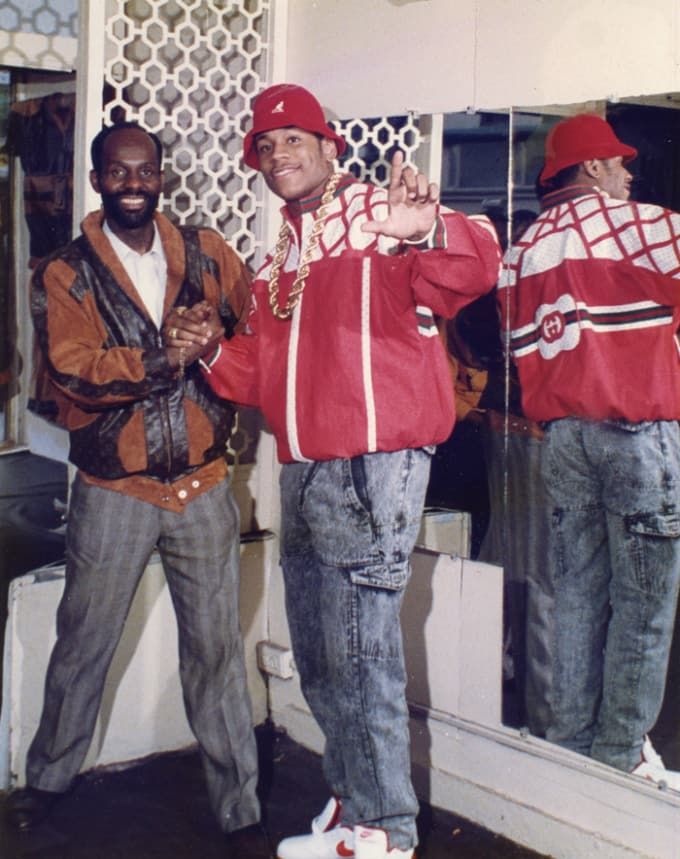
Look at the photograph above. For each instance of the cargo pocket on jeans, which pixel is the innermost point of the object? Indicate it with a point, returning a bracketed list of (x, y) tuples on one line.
[(655, 524), (652, 537), (390, 577)]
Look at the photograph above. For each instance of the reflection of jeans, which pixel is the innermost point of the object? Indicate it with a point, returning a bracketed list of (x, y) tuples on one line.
[(517, 539), (348, 530), (614, 491)]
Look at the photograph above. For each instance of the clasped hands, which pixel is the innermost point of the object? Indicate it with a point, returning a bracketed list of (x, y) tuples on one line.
[(191, 332)]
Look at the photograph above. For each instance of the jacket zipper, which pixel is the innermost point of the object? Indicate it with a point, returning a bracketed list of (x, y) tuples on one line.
[(166, 426)]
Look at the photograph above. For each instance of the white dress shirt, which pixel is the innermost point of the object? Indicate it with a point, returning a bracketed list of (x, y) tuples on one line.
[(148, 272)]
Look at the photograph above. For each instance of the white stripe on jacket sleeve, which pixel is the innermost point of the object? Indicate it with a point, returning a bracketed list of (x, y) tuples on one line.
[(366, 354)]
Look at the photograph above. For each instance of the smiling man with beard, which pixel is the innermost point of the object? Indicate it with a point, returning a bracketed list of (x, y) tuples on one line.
[(148, 438)]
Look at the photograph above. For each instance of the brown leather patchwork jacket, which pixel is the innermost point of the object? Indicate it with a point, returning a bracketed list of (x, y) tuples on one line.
[(107, 377)]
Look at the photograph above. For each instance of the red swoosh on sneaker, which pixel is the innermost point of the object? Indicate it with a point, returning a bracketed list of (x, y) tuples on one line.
[(342, 849)]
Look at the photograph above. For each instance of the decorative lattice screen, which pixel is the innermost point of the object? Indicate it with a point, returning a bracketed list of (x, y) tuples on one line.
[(47, 17), (372, 142), (188, 71), (38, 34)]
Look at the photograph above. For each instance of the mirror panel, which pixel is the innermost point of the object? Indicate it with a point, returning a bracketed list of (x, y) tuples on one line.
[(652, 125)]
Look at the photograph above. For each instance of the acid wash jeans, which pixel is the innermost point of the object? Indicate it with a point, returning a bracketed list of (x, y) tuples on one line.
[(615, 535), (348, 529)]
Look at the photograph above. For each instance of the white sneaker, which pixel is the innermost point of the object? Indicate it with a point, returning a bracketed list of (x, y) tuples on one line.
[(372, 843), (327, 840), (651, 767)]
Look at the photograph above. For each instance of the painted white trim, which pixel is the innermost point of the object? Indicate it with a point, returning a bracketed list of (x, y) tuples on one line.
[(277, 55), (89, 87), (429, 156), (536, 794)]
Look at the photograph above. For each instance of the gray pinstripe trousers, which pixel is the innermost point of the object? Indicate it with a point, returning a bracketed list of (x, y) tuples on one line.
[(110, 538)]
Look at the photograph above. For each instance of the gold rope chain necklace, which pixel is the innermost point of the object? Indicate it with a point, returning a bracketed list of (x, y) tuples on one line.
[(300, 281)]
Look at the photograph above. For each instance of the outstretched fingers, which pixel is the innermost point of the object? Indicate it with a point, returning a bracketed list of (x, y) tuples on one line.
[(396, 170), (412, 204)]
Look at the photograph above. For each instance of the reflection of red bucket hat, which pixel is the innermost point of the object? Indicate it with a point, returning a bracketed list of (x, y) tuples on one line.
[(283, 105), (578, 139)]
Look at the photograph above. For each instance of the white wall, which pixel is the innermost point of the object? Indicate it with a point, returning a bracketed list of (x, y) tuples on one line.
[(381, 57), (142, 710)]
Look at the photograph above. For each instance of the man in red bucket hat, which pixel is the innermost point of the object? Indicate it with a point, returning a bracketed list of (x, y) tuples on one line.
[(591, 294), (344, 360), (291, 105), (582, 138)]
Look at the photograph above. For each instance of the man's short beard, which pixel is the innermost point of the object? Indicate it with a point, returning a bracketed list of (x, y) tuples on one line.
[(129, 220)]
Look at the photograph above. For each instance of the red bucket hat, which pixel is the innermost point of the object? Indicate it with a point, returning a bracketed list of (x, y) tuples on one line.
[(581, 138), (280, 106)]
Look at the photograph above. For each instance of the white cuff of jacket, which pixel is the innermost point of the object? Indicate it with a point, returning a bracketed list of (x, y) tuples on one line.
[(207, 365), (427, 242)]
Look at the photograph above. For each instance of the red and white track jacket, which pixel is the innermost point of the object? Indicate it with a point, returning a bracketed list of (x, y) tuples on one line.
[(591, 297), (360, 366)]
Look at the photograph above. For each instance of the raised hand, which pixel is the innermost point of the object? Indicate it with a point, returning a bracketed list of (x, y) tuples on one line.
[(413, 204)]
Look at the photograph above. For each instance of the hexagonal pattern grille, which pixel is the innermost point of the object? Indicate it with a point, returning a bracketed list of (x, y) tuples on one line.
[(188, 70), (372, 142), (39, 34), (47, 17)]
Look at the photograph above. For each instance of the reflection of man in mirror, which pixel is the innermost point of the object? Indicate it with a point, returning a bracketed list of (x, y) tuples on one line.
[(593, 301), (351, 376)]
